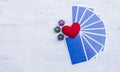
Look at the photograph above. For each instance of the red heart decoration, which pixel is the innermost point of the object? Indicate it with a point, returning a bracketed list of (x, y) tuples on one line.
[(71, 31)]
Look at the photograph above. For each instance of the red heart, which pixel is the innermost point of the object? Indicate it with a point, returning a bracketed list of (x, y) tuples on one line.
[(71, 31)]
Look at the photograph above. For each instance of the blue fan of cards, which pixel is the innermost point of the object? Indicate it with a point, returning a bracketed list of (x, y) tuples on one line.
[(91, 39)]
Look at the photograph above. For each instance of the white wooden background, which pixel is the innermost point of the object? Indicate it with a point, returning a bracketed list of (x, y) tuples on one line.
[(28, 43)]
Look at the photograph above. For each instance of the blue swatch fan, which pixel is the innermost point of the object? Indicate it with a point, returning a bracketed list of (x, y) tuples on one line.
[(91, 39)]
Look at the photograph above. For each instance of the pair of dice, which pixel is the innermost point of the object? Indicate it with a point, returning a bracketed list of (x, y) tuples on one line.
[(57, 29)]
